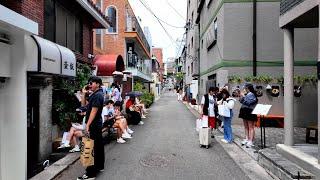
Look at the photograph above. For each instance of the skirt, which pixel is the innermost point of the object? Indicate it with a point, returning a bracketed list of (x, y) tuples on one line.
[(245, 114)]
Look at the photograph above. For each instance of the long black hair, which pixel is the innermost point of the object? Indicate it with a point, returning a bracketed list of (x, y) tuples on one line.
[(115, 86)]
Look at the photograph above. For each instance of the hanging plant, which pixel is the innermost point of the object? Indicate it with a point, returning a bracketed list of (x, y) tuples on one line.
[(266, 79), (259, 91), (275, 91)]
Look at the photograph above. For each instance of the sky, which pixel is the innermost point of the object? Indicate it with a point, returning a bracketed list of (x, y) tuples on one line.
[(172, 12)]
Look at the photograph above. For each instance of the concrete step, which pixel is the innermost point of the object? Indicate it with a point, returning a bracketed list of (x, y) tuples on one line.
[(281, 167)]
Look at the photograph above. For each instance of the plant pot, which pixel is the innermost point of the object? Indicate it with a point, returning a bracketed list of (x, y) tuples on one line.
[(297, 91)]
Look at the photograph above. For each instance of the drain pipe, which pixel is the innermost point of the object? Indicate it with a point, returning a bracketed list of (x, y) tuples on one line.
[(254, 39)]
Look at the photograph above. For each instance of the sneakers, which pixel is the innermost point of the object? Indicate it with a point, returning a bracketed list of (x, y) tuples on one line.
[(141, 123), (249, 144), (143, 117), (244, 142), (126, 136), (75, 149), (85, 177), (64, 146), (130, 131), (120, 141), (225, 141)]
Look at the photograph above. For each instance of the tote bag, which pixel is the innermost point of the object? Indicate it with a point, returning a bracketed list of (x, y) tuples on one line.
[(223, 110), (87, 153)]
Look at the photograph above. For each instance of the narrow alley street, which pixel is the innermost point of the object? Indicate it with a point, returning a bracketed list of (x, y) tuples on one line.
[(165, 147)]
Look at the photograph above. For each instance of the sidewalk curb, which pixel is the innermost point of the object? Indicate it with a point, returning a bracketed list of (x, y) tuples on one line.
[(246, 159), (58, 167)]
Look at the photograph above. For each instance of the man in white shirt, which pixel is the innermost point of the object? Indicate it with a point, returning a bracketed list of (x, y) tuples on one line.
[(208, 103)]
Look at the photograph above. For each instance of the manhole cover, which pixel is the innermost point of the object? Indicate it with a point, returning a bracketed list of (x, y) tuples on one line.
[(155, 160)]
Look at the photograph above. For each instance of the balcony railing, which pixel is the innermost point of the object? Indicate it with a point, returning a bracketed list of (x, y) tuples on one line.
[(286, 5), (132, 25)]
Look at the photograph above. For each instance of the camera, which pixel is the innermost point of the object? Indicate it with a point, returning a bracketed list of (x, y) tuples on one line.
[(87, 88)]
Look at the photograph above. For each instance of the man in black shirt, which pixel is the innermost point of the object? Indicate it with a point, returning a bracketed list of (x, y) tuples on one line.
[(94, 126)]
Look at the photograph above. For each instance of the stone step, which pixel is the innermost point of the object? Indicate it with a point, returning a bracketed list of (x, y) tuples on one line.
[(280, 167)]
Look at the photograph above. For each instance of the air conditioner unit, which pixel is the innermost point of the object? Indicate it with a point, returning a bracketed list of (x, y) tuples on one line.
[(4, 38)]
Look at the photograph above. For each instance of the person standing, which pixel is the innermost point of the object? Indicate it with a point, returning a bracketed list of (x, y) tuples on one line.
[(248, 99), (208, 102), (94, 126), (228, 102)]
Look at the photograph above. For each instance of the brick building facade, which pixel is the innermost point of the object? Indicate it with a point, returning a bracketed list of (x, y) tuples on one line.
[(157, 52)]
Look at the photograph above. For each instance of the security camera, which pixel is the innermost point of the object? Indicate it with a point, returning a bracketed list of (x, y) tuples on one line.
[(2, 79), (90, 56)]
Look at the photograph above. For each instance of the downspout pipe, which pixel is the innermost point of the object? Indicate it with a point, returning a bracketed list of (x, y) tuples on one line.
[(254, 39)]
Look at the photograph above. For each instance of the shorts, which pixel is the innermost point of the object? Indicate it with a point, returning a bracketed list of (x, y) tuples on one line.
[(212, 122), (245, 114)]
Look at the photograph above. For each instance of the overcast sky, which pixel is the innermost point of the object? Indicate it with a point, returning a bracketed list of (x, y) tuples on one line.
[(172, 12)]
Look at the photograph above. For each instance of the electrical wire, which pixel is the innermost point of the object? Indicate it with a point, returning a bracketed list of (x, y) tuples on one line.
[(175, 10), (150, 10)]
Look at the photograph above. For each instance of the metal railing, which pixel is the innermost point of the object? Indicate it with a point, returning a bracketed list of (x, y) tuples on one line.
[(133, 25), (286, 5)]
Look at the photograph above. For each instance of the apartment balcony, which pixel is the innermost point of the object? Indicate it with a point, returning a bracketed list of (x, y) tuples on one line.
[(299, 13), (134, 34)]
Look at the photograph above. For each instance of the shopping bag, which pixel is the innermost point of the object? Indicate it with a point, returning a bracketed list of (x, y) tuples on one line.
[(198, 125), (87, 153), (223, 110), (204, 121)]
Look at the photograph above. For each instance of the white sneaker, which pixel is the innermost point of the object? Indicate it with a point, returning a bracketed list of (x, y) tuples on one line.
[(249, 144), (225, 141), (244, 142), (64, 146), (120, 141), (75, 149), (143, 117), (141, 123), (130, 131), (126, 136)]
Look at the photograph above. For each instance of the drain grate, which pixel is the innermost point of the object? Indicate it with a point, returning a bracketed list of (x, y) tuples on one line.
[(155, 160)]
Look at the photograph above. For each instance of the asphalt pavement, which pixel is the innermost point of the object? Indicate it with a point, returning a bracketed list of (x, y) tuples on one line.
[(165, 147)]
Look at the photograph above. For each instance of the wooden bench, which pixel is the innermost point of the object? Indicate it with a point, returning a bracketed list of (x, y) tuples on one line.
[(309, 137)]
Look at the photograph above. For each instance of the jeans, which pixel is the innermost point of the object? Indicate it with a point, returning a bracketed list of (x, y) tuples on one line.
[(227, 130)]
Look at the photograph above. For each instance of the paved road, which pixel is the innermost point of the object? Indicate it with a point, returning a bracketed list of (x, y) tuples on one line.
[(165, 147)]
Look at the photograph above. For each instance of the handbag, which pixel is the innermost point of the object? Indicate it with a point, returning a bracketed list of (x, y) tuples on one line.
[(223, 110), (86, 152)]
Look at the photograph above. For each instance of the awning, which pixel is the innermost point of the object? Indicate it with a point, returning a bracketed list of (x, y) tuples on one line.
[(109, 63), (48, 57)]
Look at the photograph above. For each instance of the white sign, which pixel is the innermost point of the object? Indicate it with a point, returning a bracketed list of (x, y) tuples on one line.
[(261, 109), (69, 64)]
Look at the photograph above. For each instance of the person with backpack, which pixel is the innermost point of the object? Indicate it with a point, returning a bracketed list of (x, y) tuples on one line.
[(208, 103), (248, 99), (228, 103)]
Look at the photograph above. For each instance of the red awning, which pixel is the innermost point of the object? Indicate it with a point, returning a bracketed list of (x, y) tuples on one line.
[(108, 63)]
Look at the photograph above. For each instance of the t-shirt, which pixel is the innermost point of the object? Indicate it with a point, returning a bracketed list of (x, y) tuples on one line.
[(106, 111), (116, 95), (129, 103), (211, 105), (95, 100)]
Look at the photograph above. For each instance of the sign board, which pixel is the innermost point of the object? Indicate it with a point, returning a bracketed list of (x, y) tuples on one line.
[(68, 61), (261, 109)]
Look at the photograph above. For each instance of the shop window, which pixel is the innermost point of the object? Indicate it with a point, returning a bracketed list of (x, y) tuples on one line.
[(112, 15)]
